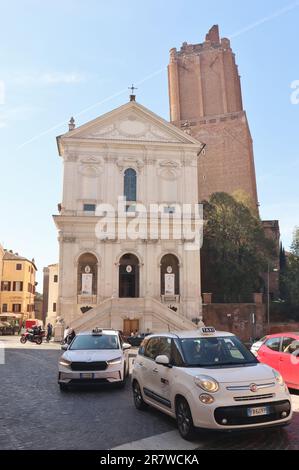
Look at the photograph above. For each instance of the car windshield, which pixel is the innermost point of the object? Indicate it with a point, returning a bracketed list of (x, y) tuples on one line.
[(215, 352), (82, 342)]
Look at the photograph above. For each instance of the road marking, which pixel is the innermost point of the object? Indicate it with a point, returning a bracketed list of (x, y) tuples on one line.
[(295, 401), (168, 441)]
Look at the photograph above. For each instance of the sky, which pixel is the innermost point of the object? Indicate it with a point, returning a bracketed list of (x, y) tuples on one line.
[(78, 57)]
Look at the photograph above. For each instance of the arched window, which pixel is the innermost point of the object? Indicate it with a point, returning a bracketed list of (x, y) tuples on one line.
[(170, 275), (130, 185), (87, 275)]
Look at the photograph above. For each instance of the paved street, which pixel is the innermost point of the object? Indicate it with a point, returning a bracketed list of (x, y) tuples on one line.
[(34, 414)]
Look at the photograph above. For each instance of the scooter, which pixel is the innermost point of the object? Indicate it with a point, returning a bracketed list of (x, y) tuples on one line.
[(31, 336)]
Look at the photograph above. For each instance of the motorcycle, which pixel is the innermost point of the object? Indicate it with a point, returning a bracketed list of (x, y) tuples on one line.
[(33, 337)]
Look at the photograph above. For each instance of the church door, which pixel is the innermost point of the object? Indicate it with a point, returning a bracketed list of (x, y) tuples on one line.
[(130, 326), (129, 276)]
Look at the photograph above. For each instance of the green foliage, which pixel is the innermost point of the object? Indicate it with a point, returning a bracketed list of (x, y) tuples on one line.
[(290, 275), (235, 250)]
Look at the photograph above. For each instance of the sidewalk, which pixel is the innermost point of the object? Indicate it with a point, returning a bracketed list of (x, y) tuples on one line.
[(13, 342)]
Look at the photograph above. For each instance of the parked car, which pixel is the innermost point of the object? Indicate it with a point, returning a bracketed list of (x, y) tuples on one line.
[(208, 379), (256, 345), (94, 357), (136, 340), (281, 351)]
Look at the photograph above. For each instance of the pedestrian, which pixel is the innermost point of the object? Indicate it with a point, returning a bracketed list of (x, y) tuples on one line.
[(49, 331), (71, 335), (66, 333)]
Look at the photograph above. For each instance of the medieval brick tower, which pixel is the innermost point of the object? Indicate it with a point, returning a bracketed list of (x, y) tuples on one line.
[(206, 100)]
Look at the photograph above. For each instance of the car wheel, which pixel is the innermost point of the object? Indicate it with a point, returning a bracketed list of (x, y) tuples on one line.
[(184, 419), (138, 399), (63, 387)]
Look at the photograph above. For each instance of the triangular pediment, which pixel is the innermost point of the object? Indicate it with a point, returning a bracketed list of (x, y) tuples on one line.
[(131, 122)]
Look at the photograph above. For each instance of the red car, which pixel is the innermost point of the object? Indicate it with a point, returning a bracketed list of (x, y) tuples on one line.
[(281, 351)]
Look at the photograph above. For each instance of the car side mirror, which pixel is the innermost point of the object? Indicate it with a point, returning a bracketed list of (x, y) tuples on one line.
[(64, 347), (126, 346), (162, 360)]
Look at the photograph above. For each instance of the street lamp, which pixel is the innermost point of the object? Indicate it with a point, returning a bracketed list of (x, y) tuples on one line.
[(273, 270)]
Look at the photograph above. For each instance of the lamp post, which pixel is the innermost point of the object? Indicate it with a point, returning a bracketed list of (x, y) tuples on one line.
[(274, 270)]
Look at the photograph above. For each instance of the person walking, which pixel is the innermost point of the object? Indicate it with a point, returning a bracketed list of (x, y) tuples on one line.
[(49, 332)]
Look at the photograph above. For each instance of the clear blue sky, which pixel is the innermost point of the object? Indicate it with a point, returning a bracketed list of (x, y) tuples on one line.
[(58, 58)]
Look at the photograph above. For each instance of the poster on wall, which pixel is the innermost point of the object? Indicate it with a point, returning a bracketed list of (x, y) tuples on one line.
[(86, 284), (169, 284)]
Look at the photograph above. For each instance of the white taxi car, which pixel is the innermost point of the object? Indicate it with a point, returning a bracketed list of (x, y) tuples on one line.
[(95, 357), (208, 379)]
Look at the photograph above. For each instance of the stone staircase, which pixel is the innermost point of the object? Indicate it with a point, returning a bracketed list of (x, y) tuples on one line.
[(152, 315)]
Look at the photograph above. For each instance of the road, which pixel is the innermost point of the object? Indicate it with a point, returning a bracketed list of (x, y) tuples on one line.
[(34, 414)]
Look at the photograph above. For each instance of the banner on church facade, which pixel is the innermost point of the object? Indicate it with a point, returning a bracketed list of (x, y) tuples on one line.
[(169, 284), (86, 284)]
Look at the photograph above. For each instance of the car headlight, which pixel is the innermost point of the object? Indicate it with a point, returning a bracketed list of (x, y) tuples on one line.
[(208, 384), (115, 361), (278, 377), (65, 362)]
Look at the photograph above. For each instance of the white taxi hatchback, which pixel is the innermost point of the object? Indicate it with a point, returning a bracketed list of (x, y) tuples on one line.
[(94, 357), (208, 379)]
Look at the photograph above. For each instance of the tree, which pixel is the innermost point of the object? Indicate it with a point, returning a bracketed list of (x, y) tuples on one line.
[(235, 250), (282, 272), (290, 278)]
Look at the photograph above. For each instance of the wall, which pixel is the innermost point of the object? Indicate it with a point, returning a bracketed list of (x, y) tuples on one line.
[(25, 275), (282, 327), (236, 318), (51, 272), (1, 270)]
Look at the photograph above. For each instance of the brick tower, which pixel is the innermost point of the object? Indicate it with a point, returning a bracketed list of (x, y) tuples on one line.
[(206, 100)]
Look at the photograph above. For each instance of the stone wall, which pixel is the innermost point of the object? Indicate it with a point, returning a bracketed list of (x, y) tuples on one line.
[(237, 318), (282, 327)]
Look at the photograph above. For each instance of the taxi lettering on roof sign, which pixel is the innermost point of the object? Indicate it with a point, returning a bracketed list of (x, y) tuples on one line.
[(207, 330)]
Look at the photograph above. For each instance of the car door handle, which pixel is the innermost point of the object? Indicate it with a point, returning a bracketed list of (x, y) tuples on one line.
[(155, 371)]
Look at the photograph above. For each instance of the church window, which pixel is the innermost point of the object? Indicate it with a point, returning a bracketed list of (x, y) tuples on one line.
[(89, 207), (130, 185), (169, 210)]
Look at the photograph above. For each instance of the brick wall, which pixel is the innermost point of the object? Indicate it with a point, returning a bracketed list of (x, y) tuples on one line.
[(283, 327), (236, 318)]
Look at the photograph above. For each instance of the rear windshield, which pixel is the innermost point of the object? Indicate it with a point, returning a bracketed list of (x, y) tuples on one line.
[(215, 352), (83, 342)]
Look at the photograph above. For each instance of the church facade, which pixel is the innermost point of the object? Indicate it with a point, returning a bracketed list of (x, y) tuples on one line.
[(145, 278)]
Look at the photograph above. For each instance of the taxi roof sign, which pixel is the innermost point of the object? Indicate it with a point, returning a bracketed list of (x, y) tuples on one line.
[(207, 330), (97, 331)]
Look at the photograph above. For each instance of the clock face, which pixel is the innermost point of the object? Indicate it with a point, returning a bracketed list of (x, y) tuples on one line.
[(129, 269), (169, 269)]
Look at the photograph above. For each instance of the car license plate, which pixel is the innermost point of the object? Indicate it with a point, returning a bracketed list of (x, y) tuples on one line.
[(261, 411), (86, 375)]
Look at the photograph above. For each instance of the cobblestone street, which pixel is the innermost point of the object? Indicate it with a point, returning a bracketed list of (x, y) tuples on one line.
[(36, 415)]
